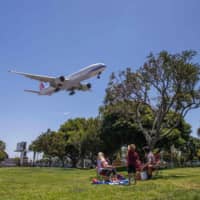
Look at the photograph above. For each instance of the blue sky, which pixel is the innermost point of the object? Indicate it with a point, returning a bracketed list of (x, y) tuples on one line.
[(59, 37)]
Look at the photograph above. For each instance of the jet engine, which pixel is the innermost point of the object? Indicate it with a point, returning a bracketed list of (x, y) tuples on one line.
[(58, 83), (88, 85), (85, 87), (62, 78)]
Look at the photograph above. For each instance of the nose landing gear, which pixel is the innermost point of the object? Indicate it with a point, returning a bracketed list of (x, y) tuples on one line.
[(72, 92), (98, 75)]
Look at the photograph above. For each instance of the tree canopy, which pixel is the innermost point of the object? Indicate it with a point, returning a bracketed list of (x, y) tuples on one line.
[(119, 128), (3, 154), (82, 138), (76, 139), (166, 84)]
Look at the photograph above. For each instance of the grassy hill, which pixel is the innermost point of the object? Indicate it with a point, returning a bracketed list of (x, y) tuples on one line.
[(62, 184)]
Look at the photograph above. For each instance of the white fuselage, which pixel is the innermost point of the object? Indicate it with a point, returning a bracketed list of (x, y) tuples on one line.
[(73, 80), (47, 91), (87, 72), (70, 83)]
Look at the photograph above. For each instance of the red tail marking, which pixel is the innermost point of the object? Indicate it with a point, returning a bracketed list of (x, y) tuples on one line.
[(41, 86)]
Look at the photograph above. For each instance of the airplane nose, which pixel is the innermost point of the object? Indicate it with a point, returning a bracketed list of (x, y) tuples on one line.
[(103, 66), (99, 66)]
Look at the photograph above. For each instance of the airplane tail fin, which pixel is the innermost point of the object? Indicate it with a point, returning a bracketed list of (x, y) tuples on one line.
[(33, 91)]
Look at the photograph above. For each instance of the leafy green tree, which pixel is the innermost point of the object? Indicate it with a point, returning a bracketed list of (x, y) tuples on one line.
[(191, 149), (43, 143), (58, 146), (166, 83), (82, 138), (3, 154), (91, 142), (178, 137), (2, 146), (77, 138), (118, 128), (52, 144), (74, 130)]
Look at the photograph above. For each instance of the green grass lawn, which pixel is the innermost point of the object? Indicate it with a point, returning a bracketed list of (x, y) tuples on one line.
[(60, 184)]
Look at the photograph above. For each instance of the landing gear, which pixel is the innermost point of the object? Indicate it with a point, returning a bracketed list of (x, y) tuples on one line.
[(98, 75), (72, 92), (57, 89)]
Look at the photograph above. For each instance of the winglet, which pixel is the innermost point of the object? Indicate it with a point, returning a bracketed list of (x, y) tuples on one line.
[(12, 71)]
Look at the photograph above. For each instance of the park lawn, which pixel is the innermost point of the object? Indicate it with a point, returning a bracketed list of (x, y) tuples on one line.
[(61, 184)]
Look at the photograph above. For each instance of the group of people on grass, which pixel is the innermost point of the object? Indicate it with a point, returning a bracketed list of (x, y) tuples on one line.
[(134, 163)]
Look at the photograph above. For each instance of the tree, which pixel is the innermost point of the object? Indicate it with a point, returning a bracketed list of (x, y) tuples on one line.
[(178, 137), (52, 144), (76, 138), (58, 146), (166, 84), (192, 148), (198, 132), (118, 129), (3, 154), (91, 142), (2, 146), (43, 143), (82, 138)]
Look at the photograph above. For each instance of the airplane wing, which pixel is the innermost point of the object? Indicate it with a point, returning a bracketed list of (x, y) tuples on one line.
[(35, 77), (33, 91)]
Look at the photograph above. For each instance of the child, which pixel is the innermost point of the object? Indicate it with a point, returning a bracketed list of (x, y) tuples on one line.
[(132, 159)]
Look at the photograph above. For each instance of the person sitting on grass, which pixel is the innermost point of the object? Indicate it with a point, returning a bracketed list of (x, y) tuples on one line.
[(103, 167), (132, 162), (150, 161)]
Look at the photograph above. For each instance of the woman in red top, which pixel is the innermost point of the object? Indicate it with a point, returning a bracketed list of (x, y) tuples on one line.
[(132, 161)]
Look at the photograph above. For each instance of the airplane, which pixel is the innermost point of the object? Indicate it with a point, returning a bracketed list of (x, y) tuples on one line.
[(69, 83)]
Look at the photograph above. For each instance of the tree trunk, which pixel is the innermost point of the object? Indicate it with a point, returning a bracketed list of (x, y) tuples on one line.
[(63, 162), (151, 141)]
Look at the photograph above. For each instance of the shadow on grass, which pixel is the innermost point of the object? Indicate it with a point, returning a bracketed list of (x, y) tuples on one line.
[(177, 176)]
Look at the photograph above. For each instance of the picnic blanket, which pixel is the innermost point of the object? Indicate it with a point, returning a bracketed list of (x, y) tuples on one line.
[(116, 182), (119, 181)]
